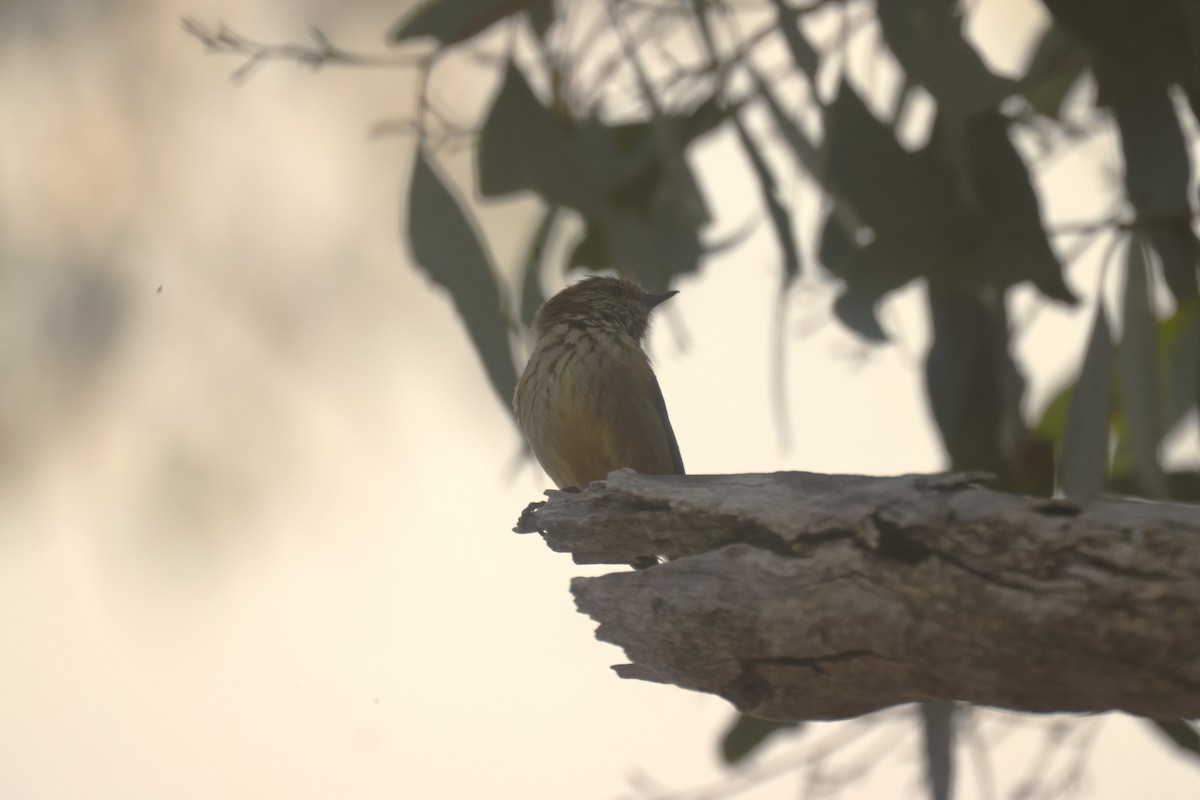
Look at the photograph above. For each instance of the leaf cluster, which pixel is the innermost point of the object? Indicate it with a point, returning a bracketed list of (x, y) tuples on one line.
[(960, 212), (599, 107)]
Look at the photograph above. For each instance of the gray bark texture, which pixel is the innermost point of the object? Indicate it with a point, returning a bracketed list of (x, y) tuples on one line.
[(799, 596)]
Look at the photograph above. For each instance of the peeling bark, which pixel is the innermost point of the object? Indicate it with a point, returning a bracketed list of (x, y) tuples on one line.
[(799, 596)]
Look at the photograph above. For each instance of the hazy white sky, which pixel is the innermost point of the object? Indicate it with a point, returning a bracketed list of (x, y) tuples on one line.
[(255, 527)]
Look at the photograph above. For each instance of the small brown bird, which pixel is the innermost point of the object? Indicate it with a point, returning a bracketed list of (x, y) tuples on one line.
[(588, 401)]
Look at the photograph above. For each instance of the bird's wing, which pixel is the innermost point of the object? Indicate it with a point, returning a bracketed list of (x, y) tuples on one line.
[(638, 433), (661, 406)]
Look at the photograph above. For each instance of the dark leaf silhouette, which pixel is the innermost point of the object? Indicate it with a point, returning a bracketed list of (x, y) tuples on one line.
[(747, 734), (452, 21), (926, 38), (1138, 376), (968, 374), (445, 244), (1181, 732), (937, 719), (541, 16), (525, 146), (1058, 63), (781, 220), (1179, 348), (1158, 173), (1085, 438)]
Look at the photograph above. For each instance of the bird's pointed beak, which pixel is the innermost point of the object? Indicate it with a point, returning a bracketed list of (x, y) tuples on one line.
[(654, 299)]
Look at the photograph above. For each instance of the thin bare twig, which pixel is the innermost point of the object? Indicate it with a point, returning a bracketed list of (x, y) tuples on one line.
[(977, 746), (656, 28), (1040, 782), (320, 52), (813, 759)]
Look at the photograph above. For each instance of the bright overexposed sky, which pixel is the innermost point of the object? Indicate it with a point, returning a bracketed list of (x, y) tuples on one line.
[(256, 494)]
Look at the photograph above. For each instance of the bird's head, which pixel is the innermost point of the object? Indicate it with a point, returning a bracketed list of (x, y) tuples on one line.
[(617, 305)]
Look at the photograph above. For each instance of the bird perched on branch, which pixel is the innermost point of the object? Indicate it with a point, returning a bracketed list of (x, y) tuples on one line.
[(588, 401)]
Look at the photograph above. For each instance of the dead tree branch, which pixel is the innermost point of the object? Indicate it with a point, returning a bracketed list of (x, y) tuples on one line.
[(799, 596)]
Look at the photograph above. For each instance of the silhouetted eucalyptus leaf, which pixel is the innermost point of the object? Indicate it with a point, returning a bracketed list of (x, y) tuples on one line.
[(626, 162), (1155, 41), (1179, 346), (654, 249), (855, 306), (747, 734), (541, 16), (648, 225), (452, 21), (445, 244), (525, 146), (1015, 246), (804, 55), (937, 720), (967, 370), (926, 38), (901, 196), (1085, 440), (924, 224), (1059, 61), (1137, 374), (893, 191), (1158, 173), (781, 220), (1052, 424), (1181, 732), (591, 250), (807, 154), (857, 312), (1182, 486), (531, 286)]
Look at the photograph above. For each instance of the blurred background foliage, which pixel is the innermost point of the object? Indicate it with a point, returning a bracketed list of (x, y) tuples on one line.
[(934, 174), (624, 89)]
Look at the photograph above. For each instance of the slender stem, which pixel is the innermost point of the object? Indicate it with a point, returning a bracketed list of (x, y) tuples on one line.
[(319, 53)]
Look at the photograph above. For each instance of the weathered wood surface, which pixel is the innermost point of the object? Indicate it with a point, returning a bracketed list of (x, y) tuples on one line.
[(799, 596)]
